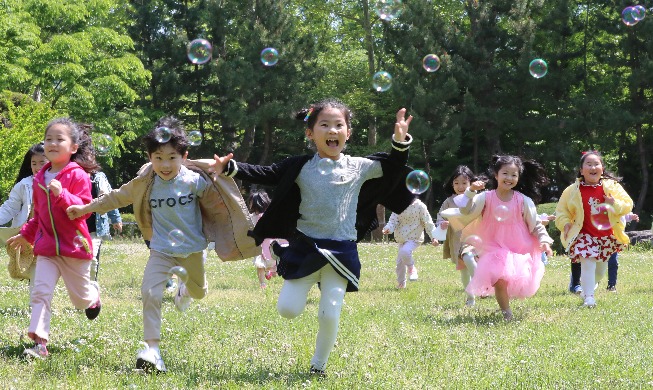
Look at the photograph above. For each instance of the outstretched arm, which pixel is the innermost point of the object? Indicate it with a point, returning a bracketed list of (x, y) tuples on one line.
[(401, 126)]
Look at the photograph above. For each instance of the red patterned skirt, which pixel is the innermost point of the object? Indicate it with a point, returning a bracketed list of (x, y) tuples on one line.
[(601, 248)]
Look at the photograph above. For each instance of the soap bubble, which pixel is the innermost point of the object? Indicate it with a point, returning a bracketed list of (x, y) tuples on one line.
[(162, 134), (102, 144), (388, 9), (325, 166), (180, 271), (601, 218), (417, 181), (431, 62), (501, 213), (199, 51), (79, 241), (474, 241), (335, 296), (538, 68), (632, 15), (640, 12), (269, 56), (176, 237), (382, 81), (194, 138)]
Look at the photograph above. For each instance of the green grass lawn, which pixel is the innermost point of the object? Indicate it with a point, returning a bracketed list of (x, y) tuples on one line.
[(419, 338)]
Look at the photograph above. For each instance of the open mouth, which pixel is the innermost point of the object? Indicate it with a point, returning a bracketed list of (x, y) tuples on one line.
[(332, 143)]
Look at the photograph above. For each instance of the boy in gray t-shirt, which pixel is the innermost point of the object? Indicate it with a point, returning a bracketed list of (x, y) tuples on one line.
[(167, 195)]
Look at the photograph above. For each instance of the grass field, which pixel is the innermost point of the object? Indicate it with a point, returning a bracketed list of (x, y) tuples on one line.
[(419, 338)]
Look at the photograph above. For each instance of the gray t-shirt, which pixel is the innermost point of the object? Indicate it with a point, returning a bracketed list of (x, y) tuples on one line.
[(176, 216), (329, 201)]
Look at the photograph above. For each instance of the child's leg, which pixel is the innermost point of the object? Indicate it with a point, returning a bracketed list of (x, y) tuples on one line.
[(196, 285), (154, 280), (501, 294), (405, 259), (575, 276), (333, 287), (601, 269), (613, 267), (470, 262), (292, 298), (76, 276), (260, 272), (46, 276), (588, 276)]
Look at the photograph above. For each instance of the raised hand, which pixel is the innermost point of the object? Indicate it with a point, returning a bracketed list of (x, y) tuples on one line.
[(401, 126)]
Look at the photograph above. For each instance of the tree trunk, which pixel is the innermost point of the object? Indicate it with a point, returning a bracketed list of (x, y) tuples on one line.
[(643, 165), (267, 141), (369, 48)]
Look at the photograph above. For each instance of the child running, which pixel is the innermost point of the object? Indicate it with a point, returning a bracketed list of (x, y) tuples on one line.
[(408, 228), (507, 233), (462, 255), (589, 217), (323, 204), (176, 209), (63, 248), (18, 207)]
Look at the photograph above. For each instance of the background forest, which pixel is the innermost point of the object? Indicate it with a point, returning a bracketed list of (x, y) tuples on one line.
[(121, 65)]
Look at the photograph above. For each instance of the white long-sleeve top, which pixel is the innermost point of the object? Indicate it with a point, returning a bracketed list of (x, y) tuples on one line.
[(19, 204), (410, 225)]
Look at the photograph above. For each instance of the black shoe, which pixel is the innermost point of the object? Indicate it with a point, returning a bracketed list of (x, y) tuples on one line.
[(316, 372), (94, 311)]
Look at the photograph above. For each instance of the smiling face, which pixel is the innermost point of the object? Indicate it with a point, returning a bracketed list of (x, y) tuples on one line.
[(166, 161), (59, 146), (38, 160), (507, 177), (460, 184), (330, 133), (592, 169)]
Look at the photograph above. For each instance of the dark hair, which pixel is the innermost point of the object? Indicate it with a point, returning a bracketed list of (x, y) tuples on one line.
[(532, 176), (258, 201), (26, 167), (178, 139), (309, 115), (85, 155), (461, 170), (605, 174)]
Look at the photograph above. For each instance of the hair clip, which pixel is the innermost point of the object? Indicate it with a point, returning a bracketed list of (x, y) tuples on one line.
[(590, 151), (308, 114)]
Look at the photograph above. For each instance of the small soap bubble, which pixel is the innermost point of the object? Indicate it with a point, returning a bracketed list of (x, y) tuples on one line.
[(79, 241), (194, 138), (388, 9), (162, 134), (632, 15), (335, 296), (199, 51), (431, 62), (474, 241), (600, 216), (269, 56), (103, 144), (417, 181), (176, 237), (640, 12), (180, 271), (381, 81), (325, 166), (538, 68), (501, 213)]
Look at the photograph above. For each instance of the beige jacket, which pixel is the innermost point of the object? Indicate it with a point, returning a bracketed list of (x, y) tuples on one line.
[(225, 218)]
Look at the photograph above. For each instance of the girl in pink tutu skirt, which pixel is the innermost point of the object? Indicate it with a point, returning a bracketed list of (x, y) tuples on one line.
[(503, 226)]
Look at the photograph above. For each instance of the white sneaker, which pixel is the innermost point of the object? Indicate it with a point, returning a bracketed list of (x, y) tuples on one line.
[(589, 301), (182, 299), (412, 272), (149, 360), (470, 302), (38, 351)]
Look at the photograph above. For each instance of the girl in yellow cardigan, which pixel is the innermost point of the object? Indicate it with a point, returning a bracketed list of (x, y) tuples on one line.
[(588, 217)]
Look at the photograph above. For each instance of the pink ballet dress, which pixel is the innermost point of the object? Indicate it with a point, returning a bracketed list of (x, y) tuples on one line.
[(506, 249)]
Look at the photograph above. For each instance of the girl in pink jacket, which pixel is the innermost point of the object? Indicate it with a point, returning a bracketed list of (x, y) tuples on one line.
[(59, 243)]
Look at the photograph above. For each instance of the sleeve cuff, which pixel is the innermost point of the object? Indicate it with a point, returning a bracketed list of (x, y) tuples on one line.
[(469, 193), (404, 145), (232, 169)]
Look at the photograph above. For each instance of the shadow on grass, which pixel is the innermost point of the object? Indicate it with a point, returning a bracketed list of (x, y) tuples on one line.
[(471, 316)]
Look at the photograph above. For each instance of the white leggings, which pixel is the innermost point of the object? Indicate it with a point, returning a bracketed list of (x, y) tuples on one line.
[(405, 259), (591, 273), (292, 301), (467, 273)]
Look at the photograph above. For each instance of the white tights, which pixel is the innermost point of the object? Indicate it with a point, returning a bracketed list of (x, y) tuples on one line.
[(292, 301), (591, 273), (467, 273)]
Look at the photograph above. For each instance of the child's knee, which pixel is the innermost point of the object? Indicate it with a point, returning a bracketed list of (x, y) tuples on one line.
[(287, 310), (151, 294)]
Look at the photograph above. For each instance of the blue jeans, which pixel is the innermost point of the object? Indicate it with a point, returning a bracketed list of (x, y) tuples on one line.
[(613, 267)]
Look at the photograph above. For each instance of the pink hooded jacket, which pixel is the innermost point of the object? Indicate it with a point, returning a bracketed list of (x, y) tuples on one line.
[(50, 230)]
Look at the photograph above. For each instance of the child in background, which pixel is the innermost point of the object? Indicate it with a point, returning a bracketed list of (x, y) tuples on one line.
[(323, 204), (590, 230), (98, 224), (172, 206), (545, 219), (613, 262), (18, 207), (63, 249), (508, 235), (462, 255), (408, 228), (258, 202)]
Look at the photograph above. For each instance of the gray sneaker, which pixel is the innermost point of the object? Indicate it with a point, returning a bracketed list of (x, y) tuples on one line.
[(149, 360)]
